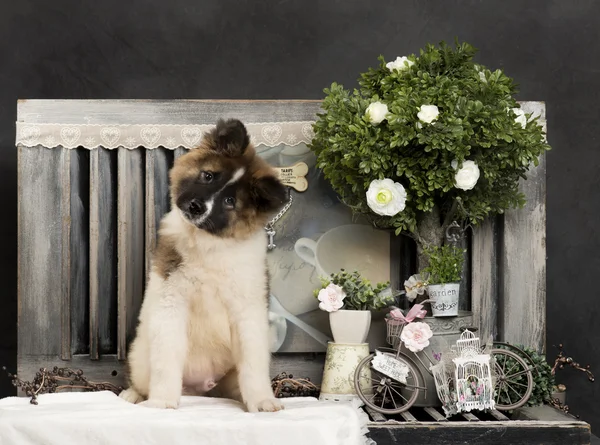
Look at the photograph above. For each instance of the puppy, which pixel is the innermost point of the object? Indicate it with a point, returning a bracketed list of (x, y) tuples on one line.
[(203, 326)]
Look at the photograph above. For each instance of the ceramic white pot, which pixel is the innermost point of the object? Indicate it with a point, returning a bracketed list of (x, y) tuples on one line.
[(350, 326), (445, 299)]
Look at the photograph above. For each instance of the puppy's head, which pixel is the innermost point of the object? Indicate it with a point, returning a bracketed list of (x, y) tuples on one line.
[(222, 186)]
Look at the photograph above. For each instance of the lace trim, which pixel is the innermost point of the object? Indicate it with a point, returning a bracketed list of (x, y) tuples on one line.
[(90, 136)]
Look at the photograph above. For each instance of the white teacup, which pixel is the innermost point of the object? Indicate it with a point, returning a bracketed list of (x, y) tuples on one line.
[(350, 247)]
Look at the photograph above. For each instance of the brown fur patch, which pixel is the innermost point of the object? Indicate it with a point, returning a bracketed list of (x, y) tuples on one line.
[(166, 258)]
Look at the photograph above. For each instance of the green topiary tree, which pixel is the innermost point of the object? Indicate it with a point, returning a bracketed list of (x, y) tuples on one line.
[(426, 141)]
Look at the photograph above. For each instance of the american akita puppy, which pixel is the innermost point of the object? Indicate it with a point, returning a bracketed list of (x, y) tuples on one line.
[(203, 327)]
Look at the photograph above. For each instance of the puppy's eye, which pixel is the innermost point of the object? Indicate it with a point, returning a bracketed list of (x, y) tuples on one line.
[(229, 202), (207, 177)]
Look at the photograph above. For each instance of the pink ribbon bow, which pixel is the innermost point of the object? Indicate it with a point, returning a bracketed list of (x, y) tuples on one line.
[(416, 311)]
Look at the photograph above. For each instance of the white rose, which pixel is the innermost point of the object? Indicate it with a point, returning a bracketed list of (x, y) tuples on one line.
[(331, 298), (386, 197), (376, 112), (467, 176), (521, 118), (401, 63), (416, 285), (428, 113)]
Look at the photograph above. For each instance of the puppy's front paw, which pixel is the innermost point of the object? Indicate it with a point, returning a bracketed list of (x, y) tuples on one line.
[(131, 395), (160, 403), (267, 405)]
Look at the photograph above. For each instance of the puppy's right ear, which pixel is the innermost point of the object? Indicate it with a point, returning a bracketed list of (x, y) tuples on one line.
[(229, 138)]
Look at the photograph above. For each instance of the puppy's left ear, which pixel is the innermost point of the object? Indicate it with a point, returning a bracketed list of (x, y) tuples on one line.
[(268, 193), (229, 137)]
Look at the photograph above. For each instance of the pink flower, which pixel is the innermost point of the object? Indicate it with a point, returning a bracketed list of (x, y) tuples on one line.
[(331, 298), (415, 336)]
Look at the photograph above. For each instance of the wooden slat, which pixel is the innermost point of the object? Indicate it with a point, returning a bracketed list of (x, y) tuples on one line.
[(103, 252), (165, 111), (484, 291), (130, 240), (470, 417), (40, 254), (76, 264), (488, 433), (157, 195), (65, 294), (408, 417), (375, 416), (523, 260), (498, 415), (435, 414)]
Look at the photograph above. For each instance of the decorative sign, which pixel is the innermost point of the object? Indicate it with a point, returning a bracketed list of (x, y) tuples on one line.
[(294, 176), (390, 366)]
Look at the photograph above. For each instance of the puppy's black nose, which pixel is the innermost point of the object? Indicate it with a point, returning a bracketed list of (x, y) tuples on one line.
[(196, 208)]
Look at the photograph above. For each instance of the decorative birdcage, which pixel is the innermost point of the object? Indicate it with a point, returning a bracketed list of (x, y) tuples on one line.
[(463, 379)]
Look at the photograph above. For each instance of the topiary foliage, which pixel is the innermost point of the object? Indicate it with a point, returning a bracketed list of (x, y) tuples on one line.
[(477, 121)]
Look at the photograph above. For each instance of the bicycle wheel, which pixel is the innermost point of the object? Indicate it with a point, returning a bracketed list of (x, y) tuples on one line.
[(514, 381), (382, 393)]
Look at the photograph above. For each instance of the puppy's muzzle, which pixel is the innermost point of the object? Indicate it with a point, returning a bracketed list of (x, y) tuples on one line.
[(196, 208)]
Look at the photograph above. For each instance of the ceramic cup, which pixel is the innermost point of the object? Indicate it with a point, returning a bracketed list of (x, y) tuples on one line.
[(350, 247)]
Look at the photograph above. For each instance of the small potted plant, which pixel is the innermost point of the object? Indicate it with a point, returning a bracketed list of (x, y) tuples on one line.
[(349, 298), (444, 272)]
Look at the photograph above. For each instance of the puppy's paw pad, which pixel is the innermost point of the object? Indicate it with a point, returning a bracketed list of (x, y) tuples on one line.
[(131, 395), (269, 405), (160, 403)]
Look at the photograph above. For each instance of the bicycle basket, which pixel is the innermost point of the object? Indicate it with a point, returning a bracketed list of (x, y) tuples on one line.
[(394, 329)]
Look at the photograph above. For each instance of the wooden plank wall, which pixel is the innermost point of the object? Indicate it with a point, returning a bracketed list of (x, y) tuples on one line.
[(84, 268), (509, 263)]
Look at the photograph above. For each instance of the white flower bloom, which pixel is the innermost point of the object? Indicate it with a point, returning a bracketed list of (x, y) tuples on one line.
[(376, 112), (416, 285), (482, 77), (521, 118), (428, 113), (331, 298), (467, 176), (415, 336), (401, 63), (386, 197)]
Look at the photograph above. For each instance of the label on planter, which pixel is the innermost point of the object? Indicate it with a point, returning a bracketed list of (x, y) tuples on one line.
[(390, 366)]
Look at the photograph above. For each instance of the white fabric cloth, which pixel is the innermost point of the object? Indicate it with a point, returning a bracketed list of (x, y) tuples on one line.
[(102, 418)]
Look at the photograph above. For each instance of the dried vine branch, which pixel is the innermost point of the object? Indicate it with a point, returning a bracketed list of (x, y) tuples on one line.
[(284, 385), (58, 379), (562, 361)]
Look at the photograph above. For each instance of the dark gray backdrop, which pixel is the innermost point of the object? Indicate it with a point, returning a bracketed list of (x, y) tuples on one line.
[(220, 49)]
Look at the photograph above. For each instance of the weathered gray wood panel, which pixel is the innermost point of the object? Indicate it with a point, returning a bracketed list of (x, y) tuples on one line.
[(523, 259), (77, 255), (103, 252), (109, 368), (41, 241), (131, 245), (484, 266), (165, 111), (158, 163)]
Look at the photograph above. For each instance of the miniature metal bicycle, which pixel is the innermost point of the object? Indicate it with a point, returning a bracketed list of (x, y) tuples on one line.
[(391, 392)]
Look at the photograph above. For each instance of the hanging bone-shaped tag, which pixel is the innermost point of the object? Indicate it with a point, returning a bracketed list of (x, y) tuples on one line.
[(294, 176)]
